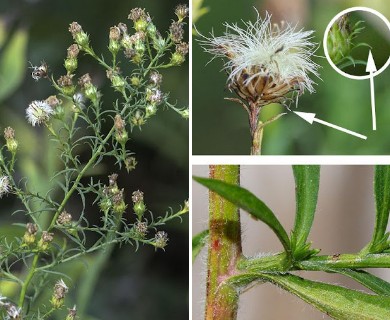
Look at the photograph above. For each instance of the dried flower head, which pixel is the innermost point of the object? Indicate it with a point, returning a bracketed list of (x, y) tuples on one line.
[(181, 11), (31, 228), (155, 78), (161, 239), (176, 31), (9, 133), (137, 14), (265, 62), (64, 218), (60, 289), (53, 101), (71, 313), (38, 112), (73, 51), (137, 196)]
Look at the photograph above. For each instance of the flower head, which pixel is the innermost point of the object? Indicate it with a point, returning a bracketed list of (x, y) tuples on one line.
[(38, 112), (265, 62)]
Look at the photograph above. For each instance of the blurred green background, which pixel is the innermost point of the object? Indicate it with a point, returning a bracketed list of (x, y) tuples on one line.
[(221, 127), (134, 285)]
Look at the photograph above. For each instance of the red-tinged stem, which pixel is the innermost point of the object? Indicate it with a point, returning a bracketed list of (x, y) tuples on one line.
[(224, 249)]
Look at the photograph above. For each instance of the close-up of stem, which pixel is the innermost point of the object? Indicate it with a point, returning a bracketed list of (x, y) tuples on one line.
[(230, 272)]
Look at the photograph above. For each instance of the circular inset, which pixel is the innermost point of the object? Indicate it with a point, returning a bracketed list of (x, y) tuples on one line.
[(325, 44)]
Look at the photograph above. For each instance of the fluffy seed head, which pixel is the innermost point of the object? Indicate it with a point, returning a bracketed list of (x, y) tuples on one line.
[(265, 62), (5, 186), (38, 112)]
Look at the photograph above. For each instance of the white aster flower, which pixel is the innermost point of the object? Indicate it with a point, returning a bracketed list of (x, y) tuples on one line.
[(5, 188), (38, 112), (265, 62)]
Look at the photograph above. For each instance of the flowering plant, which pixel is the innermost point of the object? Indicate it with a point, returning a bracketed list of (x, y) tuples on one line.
[(53, 234)]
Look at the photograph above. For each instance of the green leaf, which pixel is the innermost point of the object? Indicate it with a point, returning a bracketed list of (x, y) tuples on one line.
[(382, 201), (307, 179), (337, 302), (368, 280), (247, 201), (198, 242), (13, 63)]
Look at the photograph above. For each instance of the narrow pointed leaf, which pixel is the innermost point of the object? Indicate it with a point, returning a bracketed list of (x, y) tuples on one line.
[(382, 201), (368, 280), (307, 179), (198, 242), (337, 302), (247, 201)]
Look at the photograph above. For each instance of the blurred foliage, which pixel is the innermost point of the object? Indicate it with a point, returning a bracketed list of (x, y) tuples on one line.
[(221, 127), (134, 285)]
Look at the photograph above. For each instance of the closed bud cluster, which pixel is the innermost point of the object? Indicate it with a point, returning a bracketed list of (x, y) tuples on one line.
[(161, 240), (60, 290), (5, 186), (181, 12), (178, 57), (46, 239), (66, 84), (120, 130), (176, 31), (64, 219), (29, 235), (138, 119), (130, 163), (12, 143), (89, 89), (71, 62), (138, 203), (79, 36), (140, 229)]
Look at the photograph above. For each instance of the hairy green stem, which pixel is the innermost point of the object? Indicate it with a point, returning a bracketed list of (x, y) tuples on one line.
[(224, 249), (27, 281)]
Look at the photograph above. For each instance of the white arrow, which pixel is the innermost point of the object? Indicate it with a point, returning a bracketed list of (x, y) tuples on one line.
[(371, 68), (311, 117)]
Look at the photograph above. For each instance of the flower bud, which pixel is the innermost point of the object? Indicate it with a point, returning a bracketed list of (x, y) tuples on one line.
[(185, 113), (118, 202), (161, 240), (139, 205), (60, 290), (114, 40), (90, 90), (79, 36), (66, 84), (29, 235), (135, 81), (140, 229), (46, 239), (117, 81), (138, 119), (130, 163), (9, 135), (150, 110)]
